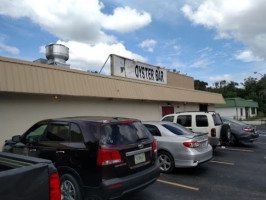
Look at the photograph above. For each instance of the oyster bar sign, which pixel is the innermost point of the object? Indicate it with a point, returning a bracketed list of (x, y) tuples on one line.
[(125, 67)]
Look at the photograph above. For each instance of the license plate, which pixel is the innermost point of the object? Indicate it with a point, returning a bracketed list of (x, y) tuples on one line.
[(139, 158)]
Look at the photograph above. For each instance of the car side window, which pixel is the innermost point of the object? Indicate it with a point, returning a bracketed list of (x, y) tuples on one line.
[(75, 133), (201, 121), (36, 134), (57, 132), (184, 120), (153, 129), (168, 119)]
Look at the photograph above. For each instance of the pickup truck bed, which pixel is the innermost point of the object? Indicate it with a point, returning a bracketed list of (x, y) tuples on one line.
[(27, 178)]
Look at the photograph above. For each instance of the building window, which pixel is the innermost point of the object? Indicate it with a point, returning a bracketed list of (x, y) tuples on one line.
[(241, 111), (253, 111), (203, 107)]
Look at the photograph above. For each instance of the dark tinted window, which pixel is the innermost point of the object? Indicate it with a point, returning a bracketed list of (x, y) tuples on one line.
[(57, 132), (177, 129), (201, 121), (153, 129), (184, 120), (217, 119), (36, 133), (168, 119), (203, 107), (75, 133), (124, 133)]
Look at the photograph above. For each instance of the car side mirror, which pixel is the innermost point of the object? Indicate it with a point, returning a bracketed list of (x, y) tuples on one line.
[(16, 138)]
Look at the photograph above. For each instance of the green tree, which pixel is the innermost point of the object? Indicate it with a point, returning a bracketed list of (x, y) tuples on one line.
[(200, 85)]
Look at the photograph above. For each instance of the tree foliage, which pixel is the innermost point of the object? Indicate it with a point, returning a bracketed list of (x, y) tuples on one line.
[(252, 88)]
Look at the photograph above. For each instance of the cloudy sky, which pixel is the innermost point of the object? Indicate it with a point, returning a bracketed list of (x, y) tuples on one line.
[(210, 40)]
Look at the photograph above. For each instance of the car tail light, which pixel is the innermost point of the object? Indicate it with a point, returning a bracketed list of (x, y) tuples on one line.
[(115, 185), (108, 157), (191, 144), (55, 193), (213, 132), (126, 122), (154, 146), (247, 130)]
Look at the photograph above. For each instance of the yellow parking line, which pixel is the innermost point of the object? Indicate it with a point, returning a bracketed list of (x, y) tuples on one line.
[(225, 163), (179, 185), (245, 150)]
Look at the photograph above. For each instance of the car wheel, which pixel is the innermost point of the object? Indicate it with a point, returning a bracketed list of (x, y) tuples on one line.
[(166, 162), (70, 188), (233, 140)]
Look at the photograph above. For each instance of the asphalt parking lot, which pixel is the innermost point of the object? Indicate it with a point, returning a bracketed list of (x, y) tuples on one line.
[(234, 173)]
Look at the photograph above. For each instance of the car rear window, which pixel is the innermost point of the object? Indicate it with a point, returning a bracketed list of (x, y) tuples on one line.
[(177, 129), (124, 133)]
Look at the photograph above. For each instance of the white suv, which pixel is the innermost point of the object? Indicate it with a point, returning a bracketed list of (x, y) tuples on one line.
[(204, 122)]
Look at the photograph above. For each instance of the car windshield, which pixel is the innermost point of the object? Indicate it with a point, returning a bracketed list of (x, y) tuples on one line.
[(177, 129), (124, 133), (217, 119), (234, 121)]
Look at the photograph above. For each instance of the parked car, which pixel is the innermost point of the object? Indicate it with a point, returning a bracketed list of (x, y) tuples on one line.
[(204, 122), (241, 132), (24, 177), (178, 146), (96, 157)]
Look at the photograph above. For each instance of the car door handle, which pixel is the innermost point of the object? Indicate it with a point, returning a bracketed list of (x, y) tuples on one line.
[(33, 150), (60, 151)]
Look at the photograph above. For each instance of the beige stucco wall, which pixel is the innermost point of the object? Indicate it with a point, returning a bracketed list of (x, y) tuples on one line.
[(19, 112), (179, 80)]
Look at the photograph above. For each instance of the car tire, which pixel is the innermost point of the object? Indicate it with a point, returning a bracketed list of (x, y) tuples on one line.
[(70, 188), (233, 140), (166, 162), (226, 134)]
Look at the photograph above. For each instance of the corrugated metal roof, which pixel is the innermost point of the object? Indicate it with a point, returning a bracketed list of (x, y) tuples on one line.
[(237, 102), (35, 78)]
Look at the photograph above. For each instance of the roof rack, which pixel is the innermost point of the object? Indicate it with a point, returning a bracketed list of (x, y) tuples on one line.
[(195, 111)]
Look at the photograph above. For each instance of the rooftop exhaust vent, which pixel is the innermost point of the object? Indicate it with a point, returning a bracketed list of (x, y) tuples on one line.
[(57, 54)]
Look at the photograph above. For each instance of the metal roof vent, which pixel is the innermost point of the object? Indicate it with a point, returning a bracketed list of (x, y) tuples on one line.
[(57, 54)]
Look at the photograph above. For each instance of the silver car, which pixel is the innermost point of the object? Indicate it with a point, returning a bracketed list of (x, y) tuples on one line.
[(179, 146)]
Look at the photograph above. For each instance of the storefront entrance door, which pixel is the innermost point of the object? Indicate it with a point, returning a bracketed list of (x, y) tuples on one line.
[(167, 110)]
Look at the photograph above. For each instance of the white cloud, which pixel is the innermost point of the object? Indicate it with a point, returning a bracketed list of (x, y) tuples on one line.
[(148, 45), (84, 56), (220, 77), (178, 49), (247, 56), (126, 19), (201, 64), (77, 20), (243, 20), (9, 49)]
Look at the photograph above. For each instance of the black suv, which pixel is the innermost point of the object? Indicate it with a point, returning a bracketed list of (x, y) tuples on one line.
[(96, 157)]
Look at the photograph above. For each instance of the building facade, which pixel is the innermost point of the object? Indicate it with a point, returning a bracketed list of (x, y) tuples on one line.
[(237, 108), (30, 92)]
